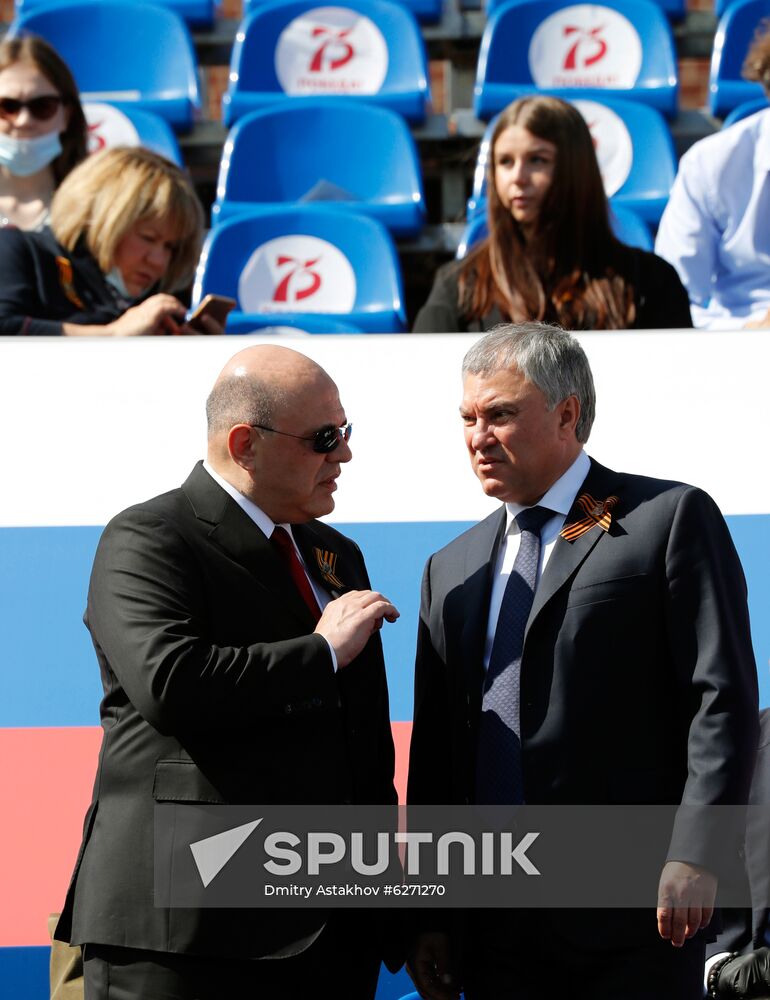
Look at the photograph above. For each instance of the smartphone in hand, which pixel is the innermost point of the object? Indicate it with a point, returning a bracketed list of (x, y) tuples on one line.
[(216, 306)]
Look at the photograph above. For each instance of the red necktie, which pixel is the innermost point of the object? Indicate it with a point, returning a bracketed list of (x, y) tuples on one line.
[(282, 541)]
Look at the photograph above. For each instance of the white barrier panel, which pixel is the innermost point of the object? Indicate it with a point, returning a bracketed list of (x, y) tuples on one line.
[(91, 426)]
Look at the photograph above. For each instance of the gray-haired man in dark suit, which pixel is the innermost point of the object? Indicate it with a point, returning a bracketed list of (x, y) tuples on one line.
[(588, 643)]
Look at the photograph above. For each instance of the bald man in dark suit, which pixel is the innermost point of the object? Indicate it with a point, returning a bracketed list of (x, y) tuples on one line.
[(238, 643)]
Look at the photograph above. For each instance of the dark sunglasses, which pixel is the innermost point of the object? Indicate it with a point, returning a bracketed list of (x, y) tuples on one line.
[(42, 108), (325, 440)]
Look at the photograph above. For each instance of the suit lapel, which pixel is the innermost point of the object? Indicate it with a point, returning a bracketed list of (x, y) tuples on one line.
[(235, 533), (567, 557), (480, 553)]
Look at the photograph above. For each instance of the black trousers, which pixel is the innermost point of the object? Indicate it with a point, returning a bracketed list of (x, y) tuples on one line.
[(342, 962), (529, 954)]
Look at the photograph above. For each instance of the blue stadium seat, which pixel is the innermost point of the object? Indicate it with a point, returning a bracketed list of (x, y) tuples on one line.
[(426, 11), (744, 110), (674, 9), (619, 49), (626, 225), (110, 126), (197, 13), (357, 156), (369, 50), (294, 326), (130, 53), (720, 6), (727, 89), (635, 152), (284, 264)]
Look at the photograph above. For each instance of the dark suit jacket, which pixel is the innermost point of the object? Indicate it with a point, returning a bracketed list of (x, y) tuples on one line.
[(215, 690), (638, 682), (745, 930), (45, 285)]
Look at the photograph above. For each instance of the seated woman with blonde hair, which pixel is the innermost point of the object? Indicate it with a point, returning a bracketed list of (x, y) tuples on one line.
[(551, 254), (126, 229)]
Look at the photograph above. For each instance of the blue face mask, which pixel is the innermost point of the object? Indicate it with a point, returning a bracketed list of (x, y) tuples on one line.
[(115, 278), (24, 157)]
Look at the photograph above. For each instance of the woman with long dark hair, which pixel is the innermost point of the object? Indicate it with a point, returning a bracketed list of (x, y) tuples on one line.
[(551, 254)]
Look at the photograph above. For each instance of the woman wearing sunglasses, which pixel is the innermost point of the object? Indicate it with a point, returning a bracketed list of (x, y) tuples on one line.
[(125, 234), (43, 131)]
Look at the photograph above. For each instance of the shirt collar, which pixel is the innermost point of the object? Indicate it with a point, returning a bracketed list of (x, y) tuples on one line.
[(561, 496), (257, 515)]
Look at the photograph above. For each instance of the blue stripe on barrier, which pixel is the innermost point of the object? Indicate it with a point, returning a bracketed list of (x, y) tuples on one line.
[(24, 973), (50, 677), (24, 976)]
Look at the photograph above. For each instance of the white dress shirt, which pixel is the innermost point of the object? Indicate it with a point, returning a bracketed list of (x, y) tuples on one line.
[(266, 525), (559, 498), (715, 227)]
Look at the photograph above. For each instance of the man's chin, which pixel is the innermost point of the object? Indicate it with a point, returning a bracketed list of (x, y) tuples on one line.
[(492, 487)]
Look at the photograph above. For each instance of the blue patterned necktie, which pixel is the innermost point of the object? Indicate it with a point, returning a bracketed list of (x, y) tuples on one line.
[(499, 776)]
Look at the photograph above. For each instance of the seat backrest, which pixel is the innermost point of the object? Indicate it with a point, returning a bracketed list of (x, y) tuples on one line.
[(735, 32), (370, 50), (109, 126), (633, 146), (352, 153), (426, 11), (629, 228), (196, 13), (620, 48), (278, 326), (126, 52), (312, 259), (673, 9), (744, 110)]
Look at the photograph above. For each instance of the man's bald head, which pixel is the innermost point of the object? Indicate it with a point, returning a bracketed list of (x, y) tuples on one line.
[(263, 412), (255, 384)]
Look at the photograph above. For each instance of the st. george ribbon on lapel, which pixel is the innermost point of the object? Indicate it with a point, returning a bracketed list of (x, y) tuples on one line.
[(596, 512)]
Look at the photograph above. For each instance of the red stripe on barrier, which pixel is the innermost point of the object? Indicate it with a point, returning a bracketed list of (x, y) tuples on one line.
[(402, 734), (46, 776)]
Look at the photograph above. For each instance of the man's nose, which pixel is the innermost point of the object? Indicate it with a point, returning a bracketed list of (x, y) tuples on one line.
[(481, 434), (341, 453)]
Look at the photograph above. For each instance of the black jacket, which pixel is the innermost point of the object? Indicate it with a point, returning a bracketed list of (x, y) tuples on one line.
[(661, 299), (42, 285), (216, 690)]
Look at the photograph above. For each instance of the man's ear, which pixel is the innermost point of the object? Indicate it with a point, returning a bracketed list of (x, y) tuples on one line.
[(240, 444), (570, 413)]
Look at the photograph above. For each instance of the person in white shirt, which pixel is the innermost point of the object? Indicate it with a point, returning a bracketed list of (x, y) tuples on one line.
[(714, 229)]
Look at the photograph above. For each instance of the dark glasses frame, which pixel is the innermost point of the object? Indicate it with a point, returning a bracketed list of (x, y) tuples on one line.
[(324, 440), (43, 108)]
